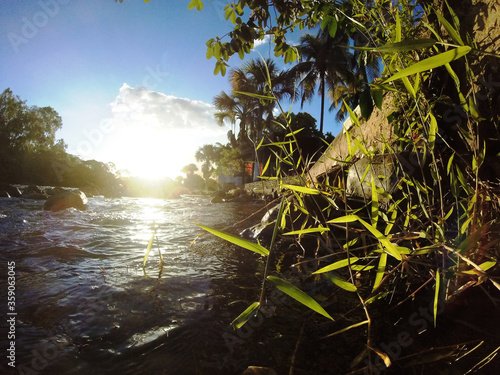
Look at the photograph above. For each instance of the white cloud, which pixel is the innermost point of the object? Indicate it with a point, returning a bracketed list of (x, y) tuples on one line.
[(153, 134), (258, 42), (142, 107)]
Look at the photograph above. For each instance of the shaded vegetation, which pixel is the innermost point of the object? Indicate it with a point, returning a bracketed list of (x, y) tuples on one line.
[(425, 234)]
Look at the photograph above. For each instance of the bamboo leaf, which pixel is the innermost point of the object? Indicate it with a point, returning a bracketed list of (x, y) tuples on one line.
[(245, 316), (148, 249), (352, 115), (259, 249), (436, 296), (374, 204), (484, 267), (431, 63), (380, 270), (260, 143), (253, 95), (433, 128), (266, 166), (342, 283), (451, 31), (409, 87), (306, 231), (340, 264), (344, 219), (348, 328), (398, 27), (389, 247), (294, 132), (298, 295), (456, 21), (301, 189), (406, 45)]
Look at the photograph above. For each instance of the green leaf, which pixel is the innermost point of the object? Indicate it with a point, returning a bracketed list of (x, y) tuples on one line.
[(298, 295), (484, 266), (409, 87), (433, 128), (245, 316), (436, 296), (253, 95), (335, 266), (198, 4), (306, 231), (256, 248), (454, 34), (352, 115), (301, 189), (374, 211), (342, 283), (388, 246), (148, 249), (267, 165), (378, 97), (406, 45), (398, 27), (431, 63), (344, 219), (380, 270), (332, 27)]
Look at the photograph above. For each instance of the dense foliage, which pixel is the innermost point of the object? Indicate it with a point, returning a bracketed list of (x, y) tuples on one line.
[(31, 154), (432, 233)]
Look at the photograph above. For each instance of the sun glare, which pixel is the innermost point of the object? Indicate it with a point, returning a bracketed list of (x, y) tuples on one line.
[(154, 154)]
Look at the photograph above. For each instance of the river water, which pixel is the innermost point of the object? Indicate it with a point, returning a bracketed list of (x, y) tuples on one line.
[(85, 305)]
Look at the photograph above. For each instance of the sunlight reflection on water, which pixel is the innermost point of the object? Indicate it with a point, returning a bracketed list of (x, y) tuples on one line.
[(80, 276)]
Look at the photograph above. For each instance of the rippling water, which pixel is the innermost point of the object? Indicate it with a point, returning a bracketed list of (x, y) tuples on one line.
[(85, 306)]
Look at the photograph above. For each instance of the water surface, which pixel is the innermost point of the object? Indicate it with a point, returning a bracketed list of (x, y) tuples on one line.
[(85, 306)]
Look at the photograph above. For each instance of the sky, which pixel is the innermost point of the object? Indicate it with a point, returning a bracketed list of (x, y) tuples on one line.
[(130, 80)]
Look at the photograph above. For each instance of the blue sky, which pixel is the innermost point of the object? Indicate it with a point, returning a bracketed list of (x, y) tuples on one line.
[(130, 80)]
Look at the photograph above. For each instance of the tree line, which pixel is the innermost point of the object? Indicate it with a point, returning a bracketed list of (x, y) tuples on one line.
[(31, 154)]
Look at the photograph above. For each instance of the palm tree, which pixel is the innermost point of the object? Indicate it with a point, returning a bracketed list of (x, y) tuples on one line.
[(323, 64), (262, 78), (207, 154), (357, 91)]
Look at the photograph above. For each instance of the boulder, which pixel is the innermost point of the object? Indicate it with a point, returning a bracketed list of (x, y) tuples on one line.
[(34, 192), (10, 190), (66, 199)]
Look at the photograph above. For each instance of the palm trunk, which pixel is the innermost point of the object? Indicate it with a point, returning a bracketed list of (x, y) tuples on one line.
[(322, 103)]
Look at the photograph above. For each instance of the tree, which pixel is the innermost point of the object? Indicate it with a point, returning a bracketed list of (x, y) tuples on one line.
[(323, 64), (207, 154), (24, 128), (264, 79), (189, 169)]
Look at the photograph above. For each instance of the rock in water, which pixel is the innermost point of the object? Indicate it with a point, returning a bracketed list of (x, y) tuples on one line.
[(66, 199), (10, 190)]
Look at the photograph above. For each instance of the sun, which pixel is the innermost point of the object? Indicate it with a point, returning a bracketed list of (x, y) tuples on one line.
[(152, 154)]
